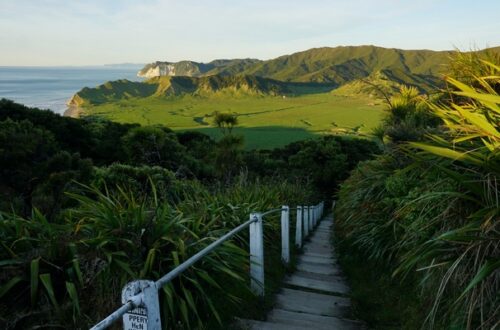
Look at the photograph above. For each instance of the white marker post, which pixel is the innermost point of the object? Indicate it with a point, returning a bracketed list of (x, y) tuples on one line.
[(306, 220), (256, 255), (298, 228), (285, 234)]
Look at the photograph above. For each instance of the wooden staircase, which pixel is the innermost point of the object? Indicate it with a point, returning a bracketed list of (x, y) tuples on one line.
[(316, 295)]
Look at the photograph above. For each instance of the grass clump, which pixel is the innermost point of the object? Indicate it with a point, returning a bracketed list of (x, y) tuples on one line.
[(429, 209)]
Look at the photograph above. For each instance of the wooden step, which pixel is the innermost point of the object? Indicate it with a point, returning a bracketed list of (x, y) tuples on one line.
[(315, 296), (334, 287), (316, 322), (319, 268), (312, 303), (245, 324), (315, 259)]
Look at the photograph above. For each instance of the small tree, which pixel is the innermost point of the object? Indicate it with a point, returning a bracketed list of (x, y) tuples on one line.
[(225, 122), (228, 156)]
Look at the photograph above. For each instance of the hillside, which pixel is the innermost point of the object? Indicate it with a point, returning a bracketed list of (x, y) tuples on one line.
[(195, 69), (386, 82), (113, 91), (337, 66), (343, 64)]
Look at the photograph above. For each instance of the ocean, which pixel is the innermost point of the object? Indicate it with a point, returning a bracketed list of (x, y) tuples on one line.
[(51, 87)]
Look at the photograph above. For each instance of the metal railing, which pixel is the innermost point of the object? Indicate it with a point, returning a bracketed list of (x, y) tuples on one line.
[(140, 309)]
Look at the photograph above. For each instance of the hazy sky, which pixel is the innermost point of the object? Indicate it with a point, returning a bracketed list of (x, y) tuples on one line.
[(77, 32)]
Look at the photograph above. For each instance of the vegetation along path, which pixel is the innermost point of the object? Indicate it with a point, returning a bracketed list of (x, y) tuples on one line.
[(316, 295)]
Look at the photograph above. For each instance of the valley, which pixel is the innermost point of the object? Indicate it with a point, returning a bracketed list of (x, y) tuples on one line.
[(339, 91), (264, 121)]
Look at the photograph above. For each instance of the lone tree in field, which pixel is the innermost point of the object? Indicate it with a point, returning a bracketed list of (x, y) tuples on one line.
[(225, 122), (228, 156)]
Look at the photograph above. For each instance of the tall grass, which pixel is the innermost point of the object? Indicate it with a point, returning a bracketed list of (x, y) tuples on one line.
[(430, 209), (70, 273)]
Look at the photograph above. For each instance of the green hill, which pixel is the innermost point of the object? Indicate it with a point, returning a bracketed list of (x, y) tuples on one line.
[(386, 82), (343, 64), (337, 66), (113, 91)]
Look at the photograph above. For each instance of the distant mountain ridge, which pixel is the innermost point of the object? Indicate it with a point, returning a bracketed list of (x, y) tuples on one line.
[(336, 66), (352, 70)]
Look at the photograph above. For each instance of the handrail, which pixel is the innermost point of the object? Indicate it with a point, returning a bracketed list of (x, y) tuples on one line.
[(148, 291), (272, 211), (129, 305), (186, 264)]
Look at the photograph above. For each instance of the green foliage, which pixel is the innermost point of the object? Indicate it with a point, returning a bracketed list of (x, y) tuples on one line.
[(152, 145), (141, 179), (323, 162), (68, 271), (429, 209), (33, 171), (225, 122), (407, 118)]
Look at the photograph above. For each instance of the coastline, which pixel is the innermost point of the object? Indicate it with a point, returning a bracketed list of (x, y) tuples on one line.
[(73, 111)]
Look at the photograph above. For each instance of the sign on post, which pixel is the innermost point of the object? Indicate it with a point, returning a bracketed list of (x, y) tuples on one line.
[(147, 316), (136, 319)]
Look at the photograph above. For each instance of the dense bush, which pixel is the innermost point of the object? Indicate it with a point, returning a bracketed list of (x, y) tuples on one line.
[(33, 169), (71, 272), (323, 162), (429, 210), (72, 234)]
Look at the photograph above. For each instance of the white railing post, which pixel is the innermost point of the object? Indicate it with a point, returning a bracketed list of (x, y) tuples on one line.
[(305, 210), (285, 234), (311, 210), (147, 316), (256, 254), (315, 215), (298, 228)]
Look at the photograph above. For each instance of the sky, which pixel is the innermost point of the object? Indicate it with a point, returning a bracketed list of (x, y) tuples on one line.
[(96, 32)]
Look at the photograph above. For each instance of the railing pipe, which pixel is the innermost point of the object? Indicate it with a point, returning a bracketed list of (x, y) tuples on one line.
[(186, 264), (115, 316), (307, 216), (271, 211)]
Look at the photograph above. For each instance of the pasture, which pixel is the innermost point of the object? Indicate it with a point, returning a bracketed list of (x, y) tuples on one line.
[(265, 121)]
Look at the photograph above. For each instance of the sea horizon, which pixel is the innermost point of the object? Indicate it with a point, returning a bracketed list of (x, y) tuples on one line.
[(50, 87)]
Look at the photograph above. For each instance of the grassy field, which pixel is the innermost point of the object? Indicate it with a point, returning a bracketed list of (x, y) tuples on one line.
[(265, 121)]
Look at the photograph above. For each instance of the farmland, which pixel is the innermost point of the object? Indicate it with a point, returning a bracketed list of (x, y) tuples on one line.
[(265, 121)]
